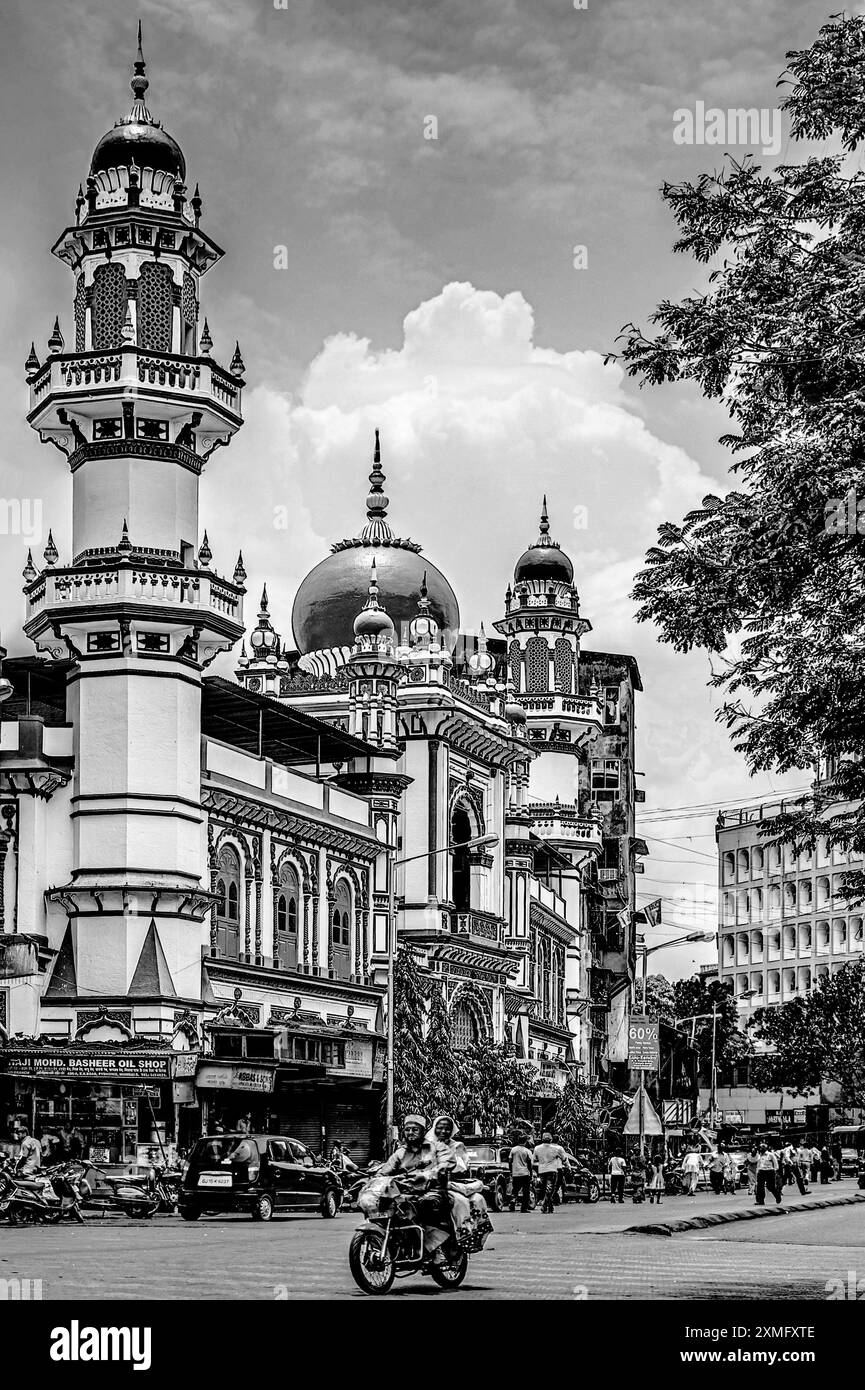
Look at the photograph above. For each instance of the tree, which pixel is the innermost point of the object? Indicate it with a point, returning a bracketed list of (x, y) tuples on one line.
[(660, 998), (410, 1079), (443, 1086), (495, 1085), (577, 1118), (696, 996), (818, 1038), (769, 579)]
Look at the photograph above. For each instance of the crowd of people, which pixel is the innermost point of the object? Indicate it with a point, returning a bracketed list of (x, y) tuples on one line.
[(766, 1169)]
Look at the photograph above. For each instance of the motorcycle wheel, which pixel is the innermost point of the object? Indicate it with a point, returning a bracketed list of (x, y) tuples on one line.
[(372, 1281), (139, 1211), (452, 1274), (593, 1190)]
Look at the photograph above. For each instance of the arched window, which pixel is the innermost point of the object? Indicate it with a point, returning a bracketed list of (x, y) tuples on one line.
[(461, 831), (108, 306), (228, 903), (287, 901), (80, 315), (564, 665), (188, 315), (464, 1026), (340, 932), (155, 297), (515, 659), (537, 665)]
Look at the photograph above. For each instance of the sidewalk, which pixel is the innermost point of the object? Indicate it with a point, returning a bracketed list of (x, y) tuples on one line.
[(740, 1207)]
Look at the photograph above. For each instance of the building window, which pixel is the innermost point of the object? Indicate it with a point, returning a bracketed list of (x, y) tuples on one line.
[(155, 306), (464, 1026), (103, 641), (537, 665), (108, 307), (611, 704), (188, 315), (605, 775), (228, 903), (287, 915), (340, 932), (80, 312), (108, 428), (515, 659), (153, 642), (151, 429), (563, 664)]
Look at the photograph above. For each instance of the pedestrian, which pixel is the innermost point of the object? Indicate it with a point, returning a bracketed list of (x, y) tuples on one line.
[(837, 1160), (825, 1165), (731, 1174), (29, 1153), (815, 1163), (767, 1174), (655, 1178), (785, 1167), (716, 1171), (520, 1164), (751, 1168), (548, 1158), (691, 1171), (617, 1168), (801, 1167)]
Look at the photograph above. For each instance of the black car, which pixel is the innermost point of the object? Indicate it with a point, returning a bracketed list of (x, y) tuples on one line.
[(257, 1173), (488, 1163)]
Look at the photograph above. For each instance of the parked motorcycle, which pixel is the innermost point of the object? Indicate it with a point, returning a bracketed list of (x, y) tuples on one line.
[(390, 1245), (165, 1185), (103, 1193), (44, 1198)]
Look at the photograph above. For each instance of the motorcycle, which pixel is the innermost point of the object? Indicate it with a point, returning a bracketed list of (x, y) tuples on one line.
[(354, 1183), (44, 1199), (165, 1186), (390, 1245), (103, 1193), (860, 1172)]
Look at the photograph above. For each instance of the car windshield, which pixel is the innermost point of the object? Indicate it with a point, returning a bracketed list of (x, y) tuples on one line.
[(218, 1147), (482, 1153)]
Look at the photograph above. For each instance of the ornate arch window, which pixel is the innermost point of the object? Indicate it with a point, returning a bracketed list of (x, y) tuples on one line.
[(537, 665), (545, 981), (564, 665), (228, 903), (515, 660), (340, 932), (188, 315), (155, 300), (465, 1032), (108, 307), (287, 918)]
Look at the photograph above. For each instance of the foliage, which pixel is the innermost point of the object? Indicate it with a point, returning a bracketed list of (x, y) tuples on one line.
[(769, 578), (820, 1037), (660, 999), (443, 1089), (494, 1085), (577, 1120), (410, 1067)]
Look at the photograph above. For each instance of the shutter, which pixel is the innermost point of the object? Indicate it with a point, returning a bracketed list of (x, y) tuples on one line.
[(351, 1122)]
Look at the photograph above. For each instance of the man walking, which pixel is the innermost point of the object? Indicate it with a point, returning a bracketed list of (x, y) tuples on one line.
[(716, 1171), (767, 1174), (548, 1158), (801, 1164), (520, 1164), (691, 1171), (617, 1168)]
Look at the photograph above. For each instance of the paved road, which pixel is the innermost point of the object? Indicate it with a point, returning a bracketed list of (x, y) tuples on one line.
[(579, 1252)]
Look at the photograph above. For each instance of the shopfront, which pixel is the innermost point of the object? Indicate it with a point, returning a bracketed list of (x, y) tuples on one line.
[(108, 1100)]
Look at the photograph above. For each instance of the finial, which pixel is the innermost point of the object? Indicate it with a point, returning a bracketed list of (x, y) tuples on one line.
[(239, 571), (79, 203), (29, 571), (124, 544), (139, 85), (376, 502), (263, 612), (206, 341), (236, 365), (133, 188), (423, 601), (32, 363), (55, 342), (205, 554), (195, 204), (545, 520), (50, 552), (372, 596)]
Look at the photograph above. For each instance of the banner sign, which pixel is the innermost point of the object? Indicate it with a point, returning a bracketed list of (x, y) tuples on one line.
[(643, 1045), (235, 1078), (184, 1064), (73, 1066)]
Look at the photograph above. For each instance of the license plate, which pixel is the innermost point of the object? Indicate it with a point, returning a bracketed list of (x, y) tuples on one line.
[(214, 1180)]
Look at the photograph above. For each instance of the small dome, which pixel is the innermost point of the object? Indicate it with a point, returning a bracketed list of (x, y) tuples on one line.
[(545, 560), (138, 138), (372, 622)]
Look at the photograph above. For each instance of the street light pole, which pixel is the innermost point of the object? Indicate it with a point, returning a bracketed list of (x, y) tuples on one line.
[(393, 865)]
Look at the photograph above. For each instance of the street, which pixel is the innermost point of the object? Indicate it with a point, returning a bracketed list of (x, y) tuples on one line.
[(579, 1252)]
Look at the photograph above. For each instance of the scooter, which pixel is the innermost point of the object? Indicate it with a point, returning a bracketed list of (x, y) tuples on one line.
[(105, 1194), (44, 1199)]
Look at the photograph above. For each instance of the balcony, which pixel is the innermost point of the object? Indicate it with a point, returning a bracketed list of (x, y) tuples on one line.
[(584, 707), (131, 586), (484, 925), (554, 821), (98, 376)]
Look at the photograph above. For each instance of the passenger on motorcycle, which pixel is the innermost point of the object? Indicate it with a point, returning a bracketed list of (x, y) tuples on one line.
[(420, 1170), (466, 1193)]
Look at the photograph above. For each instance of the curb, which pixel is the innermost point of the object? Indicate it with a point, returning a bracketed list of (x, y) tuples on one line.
[(719, 1218)]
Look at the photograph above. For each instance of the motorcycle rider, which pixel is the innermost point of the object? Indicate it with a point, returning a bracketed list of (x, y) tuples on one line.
[(30, 1154), (419, 1169)]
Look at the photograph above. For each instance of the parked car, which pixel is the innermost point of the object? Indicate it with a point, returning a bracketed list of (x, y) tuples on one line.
[(281, 1175), (488, 1162), (579, 1183)]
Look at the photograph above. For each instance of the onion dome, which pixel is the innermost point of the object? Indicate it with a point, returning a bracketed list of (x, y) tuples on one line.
[(332, 594), (138, 138), (545, 560), (264, 640), (372, 622), (481, 662), (514, 712)]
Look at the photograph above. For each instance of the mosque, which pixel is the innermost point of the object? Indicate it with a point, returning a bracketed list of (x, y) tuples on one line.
[(202, 878)]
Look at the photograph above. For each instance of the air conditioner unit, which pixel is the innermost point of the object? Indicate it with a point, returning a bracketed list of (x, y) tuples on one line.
[(607, 875)]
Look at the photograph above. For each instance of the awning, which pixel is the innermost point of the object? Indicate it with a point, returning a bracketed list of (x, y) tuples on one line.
[(265, 728)]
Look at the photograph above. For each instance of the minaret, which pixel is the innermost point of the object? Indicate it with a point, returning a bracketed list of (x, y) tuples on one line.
[(136, 404)]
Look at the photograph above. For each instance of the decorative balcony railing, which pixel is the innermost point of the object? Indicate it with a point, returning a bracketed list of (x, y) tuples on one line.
[(130, 367), (555, 822), (482, 924), (132, 584)]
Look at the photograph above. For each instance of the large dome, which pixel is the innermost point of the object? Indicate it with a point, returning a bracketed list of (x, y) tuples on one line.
[(332, 595), (545, 560), (138, 138)]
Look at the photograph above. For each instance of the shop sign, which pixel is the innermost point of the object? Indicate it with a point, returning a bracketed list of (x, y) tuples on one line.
[(235, 1078), (643, 1046), (183, 1064), (731, 1117), (72, 1066), (358, 1059), (378, 1066)]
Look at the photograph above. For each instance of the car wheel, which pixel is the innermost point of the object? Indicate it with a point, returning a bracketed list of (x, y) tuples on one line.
[(593, 1190), (190, 1213), (329, 1203), (263, 1207), (497, 1197)]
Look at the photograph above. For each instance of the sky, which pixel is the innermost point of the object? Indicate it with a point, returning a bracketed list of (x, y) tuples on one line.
[(437, 218)]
